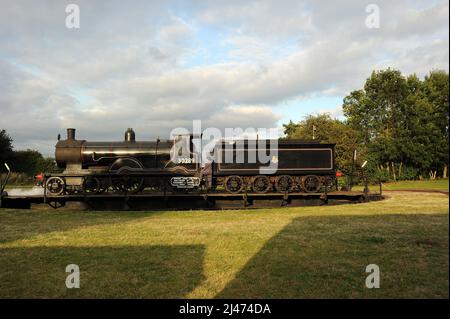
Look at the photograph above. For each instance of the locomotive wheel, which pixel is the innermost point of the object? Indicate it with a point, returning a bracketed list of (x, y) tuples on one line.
[(133, 184), (122, 180), (234, 184), (127, 183), (55, 185), (128, 164), (91, 185), (311, 184), (261, 184), (284, 183)]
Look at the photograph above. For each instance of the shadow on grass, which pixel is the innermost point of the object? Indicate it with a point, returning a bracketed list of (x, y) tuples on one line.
[(326, 257), (24, 224), (105, 272)]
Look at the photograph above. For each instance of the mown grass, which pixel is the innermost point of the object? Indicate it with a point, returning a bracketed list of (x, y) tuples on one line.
[(438, 184), (301, 252)]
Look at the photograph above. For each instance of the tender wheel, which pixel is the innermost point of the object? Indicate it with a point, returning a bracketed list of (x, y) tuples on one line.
[(284, 183), (234, 184), (311, 184), (55, 185), (261, 184)]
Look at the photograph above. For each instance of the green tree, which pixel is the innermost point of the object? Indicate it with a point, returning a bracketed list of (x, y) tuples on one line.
[(418, 137), (6, 149), (47, 165), (403, 121), (375, 112), (26, 162), (436, 87), (32, 162)]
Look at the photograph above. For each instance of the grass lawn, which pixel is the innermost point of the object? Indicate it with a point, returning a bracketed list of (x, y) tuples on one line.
[(13, 186), (439, 184), (301, 252)]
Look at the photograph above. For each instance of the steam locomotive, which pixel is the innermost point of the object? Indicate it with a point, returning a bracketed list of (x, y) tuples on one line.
[(131, 166)]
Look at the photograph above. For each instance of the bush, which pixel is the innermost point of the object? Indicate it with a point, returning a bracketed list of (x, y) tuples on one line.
[(383, 174), (374, 173), (31, 163), (408, 173), (18, 179)]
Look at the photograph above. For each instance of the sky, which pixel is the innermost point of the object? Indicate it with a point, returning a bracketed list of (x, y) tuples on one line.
[(158, 65)]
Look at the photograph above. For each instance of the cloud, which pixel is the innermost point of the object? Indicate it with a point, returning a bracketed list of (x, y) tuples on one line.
[(156, 65)]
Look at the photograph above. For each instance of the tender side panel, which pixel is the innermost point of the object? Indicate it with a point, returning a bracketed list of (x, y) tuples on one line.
[(306, 159)]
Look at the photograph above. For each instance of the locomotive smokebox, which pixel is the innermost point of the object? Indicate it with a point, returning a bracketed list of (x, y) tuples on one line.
[(70, 134)]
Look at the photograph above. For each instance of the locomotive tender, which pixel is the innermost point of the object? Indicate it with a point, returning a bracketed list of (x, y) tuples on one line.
[(131, 166)]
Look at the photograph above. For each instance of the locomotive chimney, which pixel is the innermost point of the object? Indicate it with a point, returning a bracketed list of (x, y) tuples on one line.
[(130, 136), (70, 134)]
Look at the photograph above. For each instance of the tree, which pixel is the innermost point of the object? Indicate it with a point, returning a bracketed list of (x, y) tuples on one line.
[(419, 139), (6, 149), (375, 111), (32, 162), (28, 162), (436, 87), (403, 121)]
